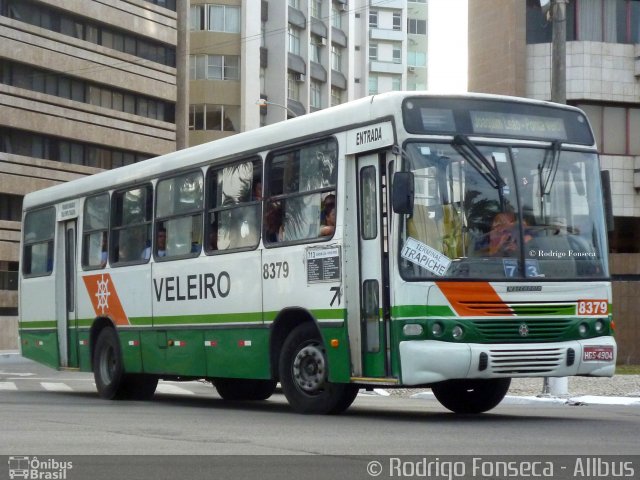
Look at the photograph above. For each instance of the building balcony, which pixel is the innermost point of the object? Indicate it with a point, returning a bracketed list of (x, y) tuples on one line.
[(386, 34), (376, 66), (400, 4)]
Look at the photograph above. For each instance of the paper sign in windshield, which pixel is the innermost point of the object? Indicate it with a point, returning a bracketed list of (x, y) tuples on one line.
[(423, 255)]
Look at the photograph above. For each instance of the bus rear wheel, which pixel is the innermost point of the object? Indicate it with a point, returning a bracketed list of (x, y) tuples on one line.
[(304, 375), (108, 371), (244, 389), (471, 396)]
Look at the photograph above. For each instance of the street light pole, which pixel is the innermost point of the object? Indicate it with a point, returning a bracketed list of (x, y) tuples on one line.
[(558, 386), (264, 103), (559, 51)]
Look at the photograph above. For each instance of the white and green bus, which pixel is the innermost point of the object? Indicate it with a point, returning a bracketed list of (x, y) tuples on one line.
[(401, 240)]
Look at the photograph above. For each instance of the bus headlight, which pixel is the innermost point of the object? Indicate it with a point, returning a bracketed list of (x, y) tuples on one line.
[(583, 329), (437, 329), (457, 332), (412, 329), (599, 326)]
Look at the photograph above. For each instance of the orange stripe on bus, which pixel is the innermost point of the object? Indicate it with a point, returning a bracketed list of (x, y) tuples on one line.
[(104, 298), (473, 298)]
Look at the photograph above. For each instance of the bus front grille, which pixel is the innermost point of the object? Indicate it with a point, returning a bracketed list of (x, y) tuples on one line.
[(526, 361), (521, 330)]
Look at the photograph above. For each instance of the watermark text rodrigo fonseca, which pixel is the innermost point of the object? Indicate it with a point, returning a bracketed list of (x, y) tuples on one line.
[(494, 468)]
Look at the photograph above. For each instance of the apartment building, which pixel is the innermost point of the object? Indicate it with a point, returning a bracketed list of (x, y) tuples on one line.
[(84, 86), (510, 53), (253, 63)]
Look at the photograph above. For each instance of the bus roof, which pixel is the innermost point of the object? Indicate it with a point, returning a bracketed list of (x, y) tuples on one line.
[(351, 114)]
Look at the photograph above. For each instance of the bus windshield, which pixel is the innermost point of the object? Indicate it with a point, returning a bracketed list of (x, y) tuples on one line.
[(503, 212)]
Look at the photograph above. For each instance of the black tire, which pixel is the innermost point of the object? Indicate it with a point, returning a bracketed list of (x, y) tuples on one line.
[(108, 368), (471, 396), (108, 371), (244, 389), (303, 375)]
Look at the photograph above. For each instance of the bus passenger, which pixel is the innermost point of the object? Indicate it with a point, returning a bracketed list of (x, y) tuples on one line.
[(329, 227), (274, 229)]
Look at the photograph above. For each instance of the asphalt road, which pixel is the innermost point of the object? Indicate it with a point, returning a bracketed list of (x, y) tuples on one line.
[(43, 410)]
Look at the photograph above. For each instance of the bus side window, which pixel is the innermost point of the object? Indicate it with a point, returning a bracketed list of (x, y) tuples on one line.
[(179, 205), (39, 229), (234, 202), (131, 225), (300, 192), (95, 232)]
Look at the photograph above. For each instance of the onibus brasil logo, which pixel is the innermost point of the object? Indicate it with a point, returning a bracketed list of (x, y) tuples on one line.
[(34, 468)]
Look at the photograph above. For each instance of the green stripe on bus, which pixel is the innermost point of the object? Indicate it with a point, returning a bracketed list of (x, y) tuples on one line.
[(38, 324), (244, 317), (404, 311)]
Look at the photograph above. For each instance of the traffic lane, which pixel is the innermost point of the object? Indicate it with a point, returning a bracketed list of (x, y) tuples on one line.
[(79, 422)]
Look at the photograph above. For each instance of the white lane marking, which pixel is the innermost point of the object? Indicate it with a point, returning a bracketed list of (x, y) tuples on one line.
[(8, 386), (56, 387), (173, 389)]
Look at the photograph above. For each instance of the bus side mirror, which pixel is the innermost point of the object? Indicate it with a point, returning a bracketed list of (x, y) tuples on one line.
[(605, 179), (402, 195)]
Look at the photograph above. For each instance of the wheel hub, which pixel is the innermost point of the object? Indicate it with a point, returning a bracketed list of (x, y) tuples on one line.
[(309, 369)]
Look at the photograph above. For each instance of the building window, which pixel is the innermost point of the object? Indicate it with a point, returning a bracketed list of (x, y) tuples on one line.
[(220, 118), (373, 19), (416, 58), (39, 15), (294, 39), (294, 4), (336, 58), (396, 83), (336, 18), (397, 54), (373, 51), (293, 86), (610, 21), (416, 26), (315, 49), (316, 8), (214, 67), (47, 147), (397, 21), (614, 128), (336, 96), (316, 94), (223, 18), (373, 84), (11, 207)]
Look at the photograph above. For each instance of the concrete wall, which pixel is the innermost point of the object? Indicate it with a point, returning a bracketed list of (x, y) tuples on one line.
[(626, 306)]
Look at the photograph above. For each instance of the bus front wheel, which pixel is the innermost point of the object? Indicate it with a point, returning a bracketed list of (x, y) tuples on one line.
[(471, 396), (304, 375)]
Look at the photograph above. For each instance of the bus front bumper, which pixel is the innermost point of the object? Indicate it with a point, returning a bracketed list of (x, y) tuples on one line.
[(431, 361)]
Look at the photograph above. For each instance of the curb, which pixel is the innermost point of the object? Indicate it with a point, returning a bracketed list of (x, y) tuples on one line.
[(569, 401)]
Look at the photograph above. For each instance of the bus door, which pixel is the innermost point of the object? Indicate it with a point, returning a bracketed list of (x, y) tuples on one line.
[(67, 319), (373, 326)]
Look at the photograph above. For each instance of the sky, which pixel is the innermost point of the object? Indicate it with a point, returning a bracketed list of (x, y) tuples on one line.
[(447, 55)]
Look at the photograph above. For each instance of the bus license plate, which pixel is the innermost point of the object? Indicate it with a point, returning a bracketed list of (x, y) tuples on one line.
[(597, 354)]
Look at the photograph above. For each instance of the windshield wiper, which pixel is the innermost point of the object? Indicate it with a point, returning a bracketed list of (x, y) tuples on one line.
[(550, 164), (476, 158)]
